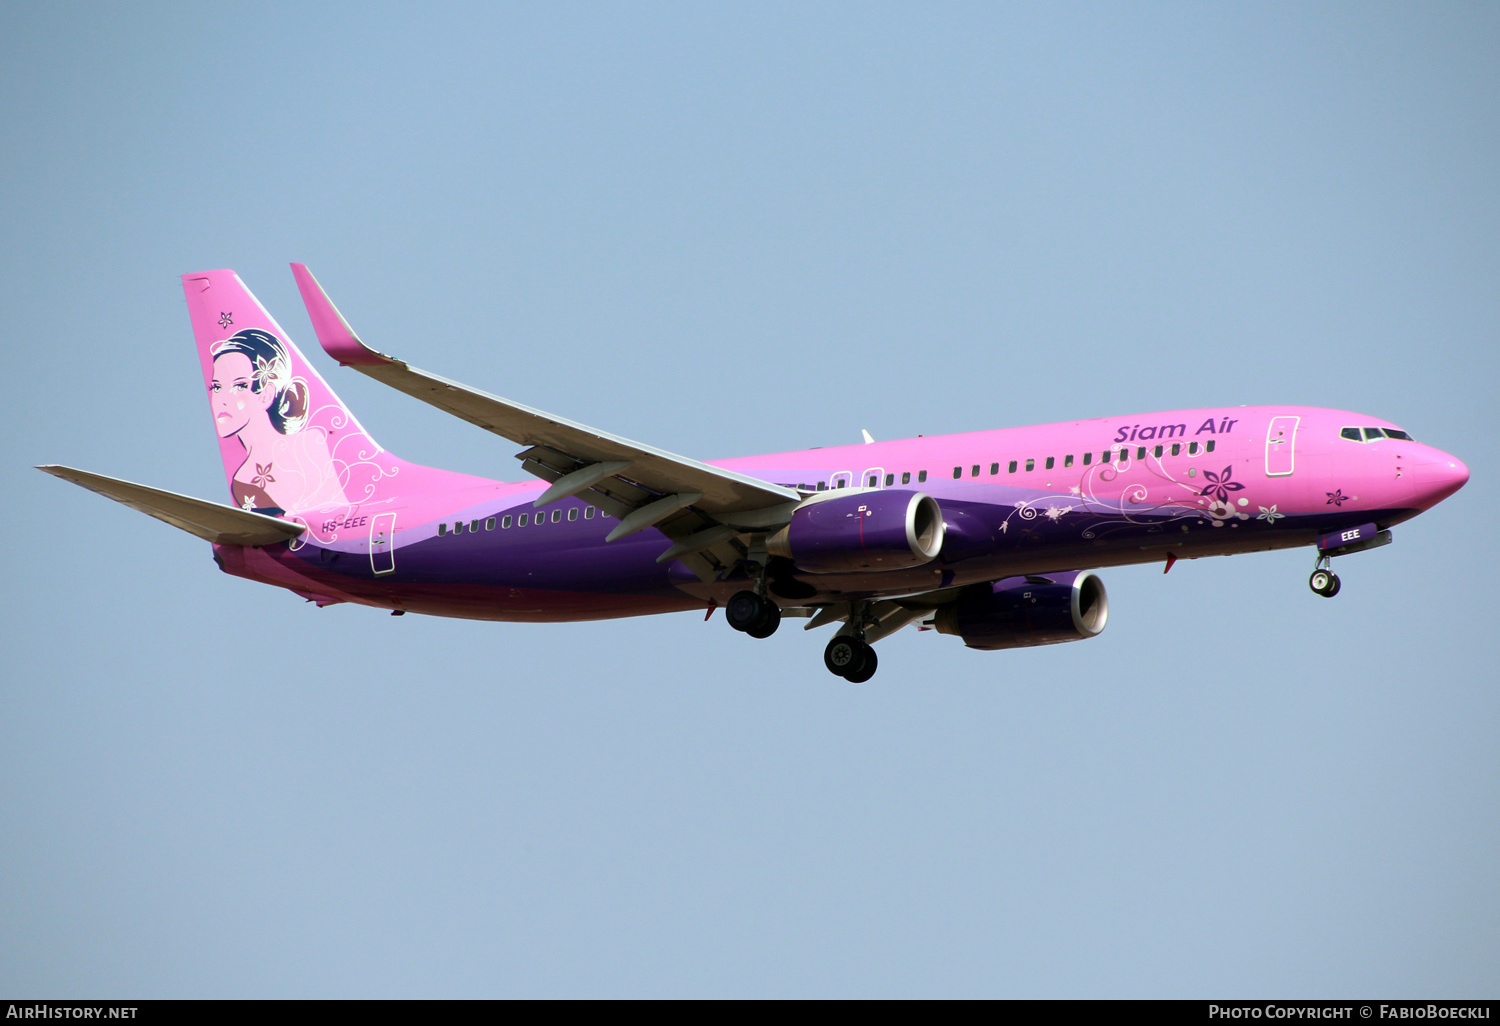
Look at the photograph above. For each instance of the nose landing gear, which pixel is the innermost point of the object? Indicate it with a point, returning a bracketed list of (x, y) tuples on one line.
[(1323, 580)]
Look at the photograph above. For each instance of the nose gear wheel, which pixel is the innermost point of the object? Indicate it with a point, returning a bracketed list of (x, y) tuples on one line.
[(1324, 582)]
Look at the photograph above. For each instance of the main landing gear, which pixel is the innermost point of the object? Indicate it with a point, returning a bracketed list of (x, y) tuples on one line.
[(753, 614), (1323, 580), (851, 658), (848, 655)]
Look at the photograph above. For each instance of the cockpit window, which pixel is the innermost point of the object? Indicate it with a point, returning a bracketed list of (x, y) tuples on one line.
[(1373, 434)]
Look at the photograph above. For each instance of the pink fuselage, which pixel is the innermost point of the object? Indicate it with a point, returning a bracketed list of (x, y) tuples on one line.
[(1047, 498)]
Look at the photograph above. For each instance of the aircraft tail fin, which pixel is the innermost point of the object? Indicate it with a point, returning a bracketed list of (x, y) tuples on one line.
[(288, 443)]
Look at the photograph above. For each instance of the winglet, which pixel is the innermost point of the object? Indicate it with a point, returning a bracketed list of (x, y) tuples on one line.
[(335, 335)]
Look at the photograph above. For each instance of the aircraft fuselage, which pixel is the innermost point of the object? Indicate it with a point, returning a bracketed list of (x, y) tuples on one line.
[(1031, 500)]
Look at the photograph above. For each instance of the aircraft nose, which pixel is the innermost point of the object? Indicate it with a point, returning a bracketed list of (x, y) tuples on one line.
[(1438, 476)]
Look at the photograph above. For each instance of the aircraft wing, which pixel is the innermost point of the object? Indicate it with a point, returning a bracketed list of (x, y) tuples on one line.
[(223, 525), (697, 506)]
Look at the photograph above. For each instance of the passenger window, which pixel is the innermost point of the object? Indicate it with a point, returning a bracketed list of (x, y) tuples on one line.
[(958, 472), (1050, 460), (994, 469), (539, 520), (572, 512), (1156, 452), (557, 516), (1068, 460), (921, 476), (442, 530), (1140, 452), (1030, 466), (1104, 457), (1208, 446), (489, 525), (1176, 448), (1192, 448), (523, 519), (974, 470), (890, 479), (458, 527), (474, 527), (1088, 458), (906, 477), (505, 523), (588, 513), (1012, 466), (822, 486)]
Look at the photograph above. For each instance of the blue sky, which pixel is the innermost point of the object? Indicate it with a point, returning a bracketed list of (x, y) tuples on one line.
[(724, 231)]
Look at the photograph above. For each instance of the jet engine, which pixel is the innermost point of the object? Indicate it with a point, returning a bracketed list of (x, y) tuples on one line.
[(1017, 612), (878, 530)]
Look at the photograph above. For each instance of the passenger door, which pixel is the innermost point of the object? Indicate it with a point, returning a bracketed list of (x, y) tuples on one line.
[(383, 544), (1281, 440)]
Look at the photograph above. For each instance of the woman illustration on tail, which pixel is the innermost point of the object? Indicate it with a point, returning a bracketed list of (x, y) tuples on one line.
[(256, 399)]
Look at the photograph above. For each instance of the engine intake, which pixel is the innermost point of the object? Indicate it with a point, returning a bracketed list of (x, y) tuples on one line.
[(878, 530), (1018, 612)]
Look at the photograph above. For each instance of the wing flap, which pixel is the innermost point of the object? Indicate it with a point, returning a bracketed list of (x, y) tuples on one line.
[(211, 521)]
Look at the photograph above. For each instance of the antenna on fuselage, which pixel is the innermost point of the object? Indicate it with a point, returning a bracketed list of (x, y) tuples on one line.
[(868, 439)]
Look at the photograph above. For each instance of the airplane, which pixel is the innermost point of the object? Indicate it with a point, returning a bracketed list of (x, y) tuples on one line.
[(993, 536)]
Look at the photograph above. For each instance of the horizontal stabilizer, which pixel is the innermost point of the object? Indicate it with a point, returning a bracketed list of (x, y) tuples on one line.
[(223, 525)]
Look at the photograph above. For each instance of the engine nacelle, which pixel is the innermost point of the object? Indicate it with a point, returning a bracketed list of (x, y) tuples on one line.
[(877, 530), (1017, 612)]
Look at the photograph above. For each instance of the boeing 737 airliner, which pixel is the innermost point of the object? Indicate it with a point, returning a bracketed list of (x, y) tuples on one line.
[(992, 536)]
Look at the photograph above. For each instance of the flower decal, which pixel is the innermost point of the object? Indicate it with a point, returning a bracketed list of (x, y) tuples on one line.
[(1219, 485), (1337, 497), (1270, 516), (262, 476), (1220, 510), (1055, 513)]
